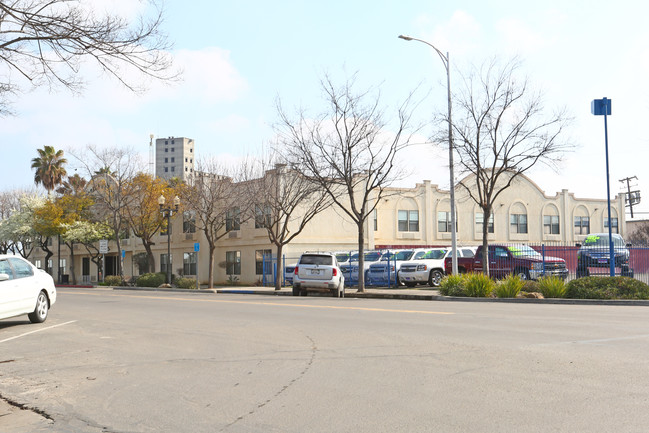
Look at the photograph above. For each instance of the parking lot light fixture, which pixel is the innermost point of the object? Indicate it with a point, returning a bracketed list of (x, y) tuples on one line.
[(447, 65)]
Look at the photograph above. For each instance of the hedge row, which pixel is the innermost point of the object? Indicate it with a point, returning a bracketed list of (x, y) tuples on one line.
[(479, 285)]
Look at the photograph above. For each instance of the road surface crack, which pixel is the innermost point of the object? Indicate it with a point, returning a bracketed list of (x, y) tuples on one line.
[(306, 368)]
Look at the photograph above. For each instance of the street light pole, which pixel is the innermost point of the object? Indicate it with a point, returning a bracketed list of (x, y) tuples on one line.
[(447, 65), (167, 213)]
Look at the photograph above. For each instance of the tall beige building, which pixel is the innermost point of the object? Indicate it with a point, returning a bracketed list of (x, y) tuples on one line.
[(174, 157)]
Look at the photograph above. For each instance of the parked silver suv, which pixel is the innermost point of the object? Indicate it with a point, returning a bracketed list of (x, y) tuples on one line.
[(318, 272)]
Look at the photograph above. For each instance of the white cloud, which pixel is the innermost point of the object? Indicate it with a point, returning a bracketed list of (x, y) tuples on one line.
[(229, 124), (460, 35), (518, 36)]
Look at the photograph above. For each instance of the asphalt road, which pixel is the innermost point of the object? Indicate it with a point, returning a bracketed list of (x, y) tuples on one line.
[(113, 361)]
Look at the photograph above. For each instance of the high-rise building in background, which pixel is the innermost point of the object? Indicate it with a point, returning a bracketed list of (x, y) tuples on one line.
[(174, 157)]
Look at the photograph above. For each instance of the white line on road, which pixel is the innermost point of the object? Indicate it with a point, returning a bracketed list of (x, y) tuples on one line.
[(38, 330)]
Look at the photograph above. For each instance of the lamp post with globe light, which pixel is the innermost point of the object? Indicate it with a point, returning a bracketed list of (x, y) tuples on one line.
[(167, 213)]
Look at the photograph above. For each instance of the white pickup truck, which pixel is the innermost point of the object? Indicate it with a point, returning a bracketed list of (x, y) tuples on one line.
[(430, 268)]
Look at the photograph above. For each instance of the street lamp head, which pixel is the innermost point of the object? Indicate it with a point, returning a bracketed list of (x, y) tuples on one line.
[(161, 200), (176, 202), (407, 38)]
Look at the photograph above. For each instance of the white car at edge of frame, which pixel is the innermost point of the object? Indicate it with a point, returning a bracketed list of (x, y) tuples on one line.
[(24, 289)]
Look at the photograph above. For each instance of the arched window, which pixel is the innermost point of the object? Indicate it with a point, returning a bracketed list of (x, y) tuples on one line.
[(614, 221), (551, 220), (444, 217), (518, 218), (581, 221)]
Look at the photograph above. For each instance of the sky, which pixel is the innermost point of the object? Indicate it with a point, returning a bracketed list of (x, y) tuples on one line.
[(239, 58)]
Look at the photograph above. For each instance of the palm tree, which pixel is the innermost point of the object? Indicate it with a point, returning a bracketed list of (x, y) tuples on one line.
[(73, 185), (49, 167)]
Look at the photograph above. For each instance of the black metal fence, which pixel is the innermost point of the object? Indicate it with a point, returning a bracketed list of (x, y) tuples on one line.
[(632, 261)]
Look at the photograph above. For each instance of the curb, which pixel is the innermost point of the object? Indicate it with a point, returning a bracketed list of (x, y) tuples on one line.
[(404, 296)]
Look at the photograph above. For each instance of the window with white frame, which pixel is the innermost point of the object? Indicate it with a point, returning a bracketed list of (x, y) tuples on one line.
[(518, 223), (189, 221), (444, 222), (614, 225), (479, 219), (262, 216), (189, 263), (233, 262), (408, 220), (165, 261), (233, 219), (551, 225), (582, 225)]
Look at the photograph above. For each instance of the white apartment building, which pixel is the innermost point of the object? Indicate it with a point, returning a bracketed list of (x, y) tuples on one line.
[(174, 157)]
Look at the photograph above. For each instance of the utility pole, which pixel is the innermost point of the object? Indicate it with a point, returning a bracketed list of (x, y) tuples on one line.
[(632, 197)]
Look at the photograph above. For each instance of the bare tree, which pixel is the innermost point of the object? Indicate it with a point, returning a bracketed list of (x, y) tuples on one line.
[(110, 172), (46, 42), (350, 150), (212, 196), (285, 201), (639, 236), (502, 131)]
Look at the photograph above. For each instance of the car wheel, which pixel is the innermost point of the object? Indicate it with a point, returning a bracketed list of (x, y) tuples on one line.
[(435, 278), (296, 291), (523, 274), (342, 291), (42, 307), (303, 292)]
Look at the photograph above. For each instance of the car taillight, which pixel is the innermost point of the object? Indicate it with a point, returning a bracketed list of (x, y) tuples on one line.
[(295, 271), (335, 272)]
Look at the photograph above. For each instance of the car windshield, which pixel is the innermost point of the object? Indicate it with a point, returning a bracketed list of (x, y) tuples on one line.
[(523, 251), (316, 259), (434, 254), (342, 257), (602, 241), (372, 256), (399, 255)]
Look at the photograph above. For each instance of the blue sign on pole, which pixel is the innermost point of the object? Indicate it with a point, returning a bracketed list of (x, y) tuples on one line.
[(123, 253), (602, 107), (197, 247)]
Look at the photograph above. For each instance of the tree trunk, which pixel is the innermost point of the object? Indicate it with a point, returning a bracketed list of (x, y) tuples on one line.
[(48, 255), (210, 266), (72, 272), (486, 213), (280, 267), (361, 257), (150, 257), (120, 271)]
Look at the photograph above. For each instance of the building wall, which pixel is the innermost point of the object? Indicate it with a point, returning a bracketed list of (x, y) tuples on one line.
[(174, 157), (332, 230)]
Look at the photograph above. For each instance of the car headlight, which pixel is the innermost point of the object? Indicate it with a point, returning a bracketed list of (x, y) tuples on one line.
[(422, 267), (537, 266)]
